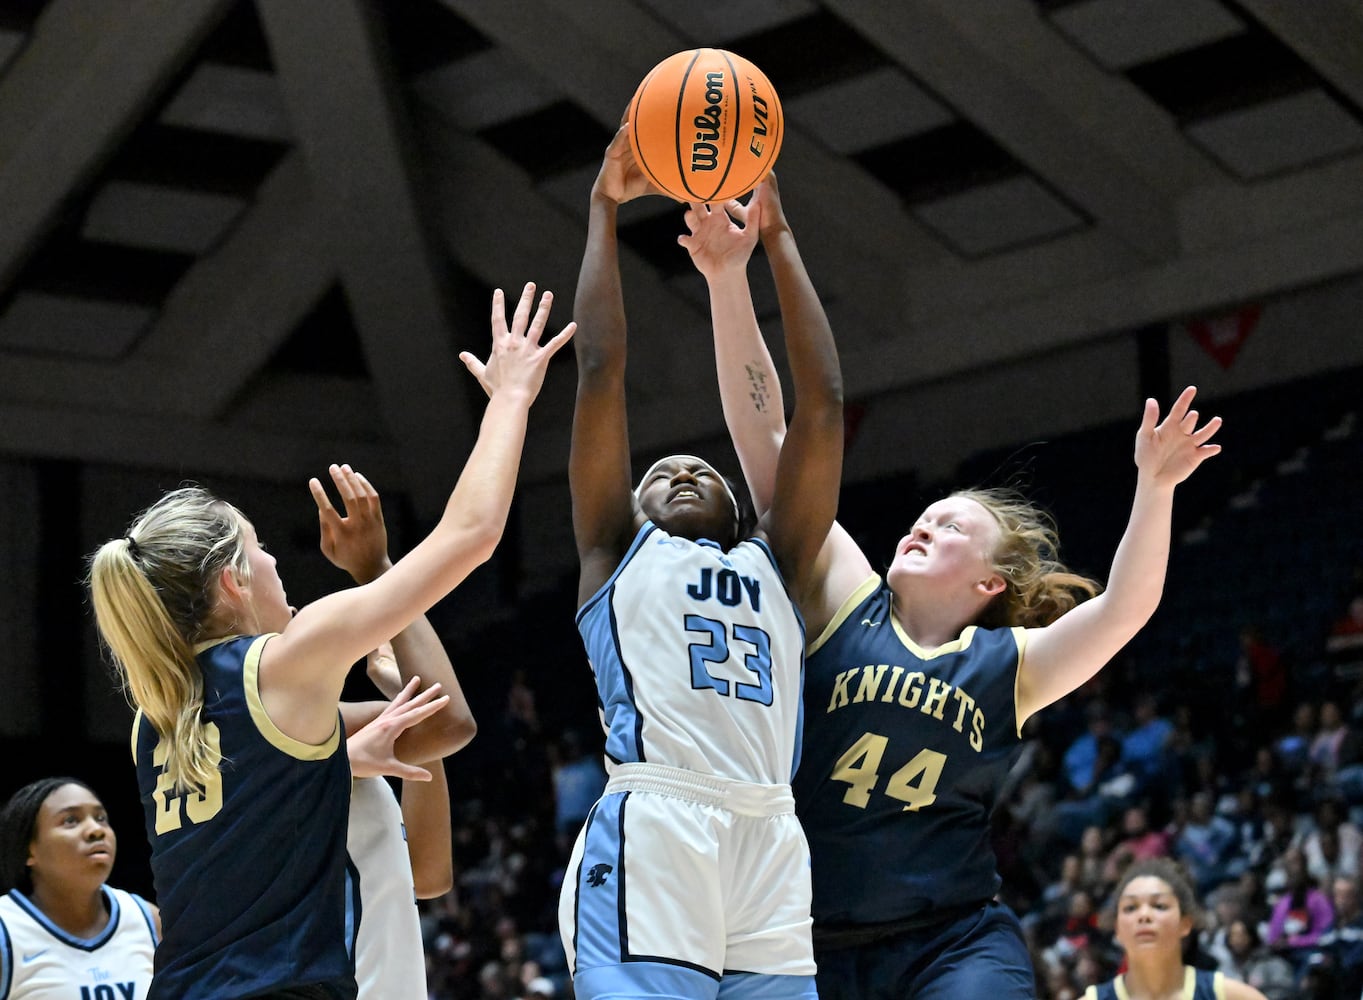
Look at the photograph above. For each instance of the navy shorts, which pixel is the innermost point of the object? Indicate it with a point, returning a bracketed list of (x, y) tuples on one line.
[(981, 954)]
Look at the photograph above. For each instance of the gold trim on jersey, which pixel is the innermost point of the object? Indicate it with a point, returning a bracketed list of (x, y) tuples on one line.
[(863, 591), (250, 675), (137, 722), (1189, 986)]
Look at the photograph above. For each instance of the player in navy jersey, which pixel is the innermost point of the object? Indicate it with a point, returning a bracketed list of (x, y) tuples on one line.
[(63, 931), (917, 686), (240, 754), (1155, 913), (690, 877)]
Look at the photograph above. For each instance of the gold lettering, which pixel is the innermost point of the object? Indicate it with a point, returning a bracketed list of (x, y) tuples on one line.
[(912, 681), (966, 702), (839, 698), (936, 700), (895, 671), (870, 682), (977, 731)]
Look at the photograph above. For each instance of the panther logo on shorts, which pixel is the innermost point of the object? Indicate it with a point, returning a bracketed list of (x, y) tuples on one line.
[(597, 875)]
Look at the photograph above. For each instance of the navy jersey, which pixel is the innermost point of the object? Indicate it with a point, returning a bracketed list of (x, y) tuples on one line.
[(1198, 984), (252, 877), (905, 750), (698, 655)]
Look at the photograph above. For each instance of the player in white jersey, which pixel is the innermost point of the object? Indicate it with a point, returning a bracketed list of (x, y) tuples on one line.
[(691, 876), (401, 852), (63, 932)]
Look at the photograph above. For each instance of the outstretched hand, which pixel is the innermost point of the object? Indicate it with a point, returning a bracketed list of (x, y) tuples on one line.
[(722, 236), (356, 540), (620, 178), (517, 361), (1168, 451), (371, 748)]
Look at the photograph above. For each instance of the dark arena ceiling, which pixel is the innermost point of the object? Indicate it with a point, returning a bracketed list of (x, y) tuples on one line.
[(239, 232)]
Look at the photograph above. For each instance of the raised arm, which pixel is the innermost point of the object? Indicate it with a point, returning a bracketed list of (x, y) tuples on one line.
[(750, 388), (302, 669), (809, 470), (604, 511), (355, 539), (425, 804), (1063, 655)]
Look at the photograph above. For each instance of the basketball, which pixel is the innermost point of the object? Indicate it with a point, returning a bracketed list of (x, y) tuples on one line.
[(705, 125)]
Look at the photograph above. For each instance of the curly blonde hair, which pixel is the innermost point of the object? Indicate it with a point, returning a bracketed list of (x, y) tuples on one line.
[(1039, 588), (154, 591)]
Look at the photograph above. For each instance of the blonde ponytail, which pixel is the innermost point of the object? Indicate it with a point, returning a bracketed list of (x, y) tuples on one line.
[(153, 592)]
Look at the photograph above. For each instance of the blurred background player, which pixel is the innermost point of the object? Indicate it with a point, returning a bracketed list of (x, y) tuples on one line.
[(64, 932)]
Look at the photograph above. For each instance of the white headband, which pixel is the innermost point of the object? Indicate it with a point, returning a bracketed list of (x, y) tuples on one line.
[(698, 461)]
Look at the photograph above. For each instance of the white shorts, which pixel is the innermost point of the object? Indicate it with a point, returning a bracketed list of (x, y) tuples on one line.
[(690, 873)]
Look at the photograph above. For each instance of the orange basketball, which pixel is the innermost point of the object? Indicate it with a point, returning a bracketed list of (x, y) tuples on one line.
[(705, 125)]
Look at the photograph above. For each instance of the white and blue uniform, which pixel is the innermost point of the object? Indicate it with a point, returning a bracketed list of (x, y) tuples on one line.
[(692, 869), (40, 961), (389, 961)]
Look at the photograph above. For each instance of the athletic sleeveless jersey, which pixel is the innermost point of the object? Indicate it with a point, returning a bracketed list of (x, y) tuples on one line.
[(1198, 984), (40, 961), (389, 961), (252, 876), (698, 656), (905, 750)]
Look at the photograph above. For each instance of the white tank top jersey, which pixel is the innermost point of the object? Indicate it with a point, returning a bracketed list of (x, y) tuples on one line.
[(699, 659), (40, 961), (389, 961)]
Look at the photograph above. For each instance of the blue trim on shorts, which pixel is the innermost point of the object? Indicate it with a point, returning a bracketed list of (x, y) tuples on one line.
[(644, 979), (764, 986)]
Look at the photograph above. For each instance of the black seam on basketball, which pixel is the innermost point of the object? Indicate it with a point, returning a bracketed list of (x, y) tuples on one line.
[(733, 132), (634, 125), (676, 124)]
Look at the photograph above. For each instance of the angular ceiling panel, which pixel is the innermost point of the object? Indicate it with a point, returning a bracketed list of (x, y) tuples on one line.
[(1279, 135), (1122, 33)]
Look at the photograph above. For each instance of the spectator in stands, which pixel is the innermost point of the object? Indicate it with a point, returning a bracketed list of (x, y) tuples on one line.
[(1139, 842), (1205, 843), (1342, 944), (1300, 916), (1146, 748), (1326, 745), (1344, 644), (1293, 748), (1246, 960), (1261, 672), (1332, 843)]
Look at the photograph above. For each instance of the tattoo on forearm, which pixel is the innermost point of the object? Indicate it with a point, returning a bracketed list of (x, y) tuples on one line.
[(757, 388)]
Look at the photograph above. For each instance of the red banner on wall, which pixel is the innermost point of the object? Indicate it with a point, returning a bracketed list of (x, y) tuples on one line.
[(1223, 336)]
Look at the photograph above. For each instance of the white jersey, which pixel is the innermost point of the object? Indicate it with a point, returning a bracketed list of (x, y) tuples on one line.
[(389, 961), (699, 659), (40, 961)]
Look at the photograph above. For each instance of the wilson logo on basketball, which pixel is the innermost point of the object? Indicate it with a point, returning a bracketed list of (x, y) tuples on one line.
[(704, 152), (705, 125)]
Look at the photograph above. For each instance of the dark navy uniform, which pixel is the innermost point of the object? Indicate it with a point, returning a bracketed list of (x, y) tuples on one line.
[(1198, 984), (252, 877), (905, 750)]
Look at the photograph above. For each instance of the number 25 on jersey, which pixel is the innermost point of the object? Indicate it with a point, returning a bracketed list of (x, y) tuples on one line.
[(174, 806)]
